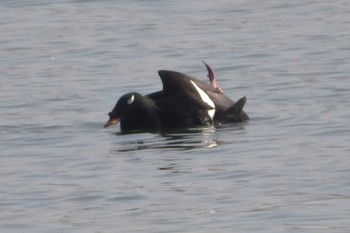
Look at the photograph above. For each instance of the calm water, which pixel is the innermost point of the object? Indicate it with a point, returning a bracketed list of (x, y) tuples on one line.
[(65, 63)]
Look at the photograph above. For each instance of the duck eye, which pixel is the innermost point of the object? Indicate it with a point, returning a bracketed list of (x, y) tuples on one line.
[(131, 99)]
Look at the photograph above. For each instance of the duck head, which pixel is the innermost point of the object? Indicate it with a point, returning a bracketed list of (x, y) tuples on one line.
[(134, 111)]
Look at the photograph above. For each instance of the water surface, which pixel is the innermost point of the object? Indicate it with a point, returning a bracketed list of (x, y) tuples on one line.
[(65, 63)]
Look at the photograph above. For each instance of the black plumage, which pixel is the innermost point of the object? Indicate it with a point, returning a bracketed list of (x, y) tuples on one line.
[(184, 102)]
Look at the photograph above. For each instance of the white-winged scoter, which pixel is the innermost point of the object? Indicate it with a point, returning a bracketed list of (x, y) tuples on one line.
[(184, 102)]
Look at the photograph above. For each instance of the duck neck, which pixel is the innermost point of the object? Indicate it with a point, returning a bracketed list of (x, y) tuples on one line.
[(145, 118)]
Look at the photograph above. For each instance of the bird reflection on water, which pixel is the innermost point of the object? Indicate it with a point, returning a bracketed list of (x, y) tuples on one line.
[(177, 140)]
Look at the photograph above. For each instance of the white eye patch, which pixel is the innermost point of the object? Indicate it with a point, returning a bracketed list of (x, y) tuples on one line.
[(131, 99), (206, 99)]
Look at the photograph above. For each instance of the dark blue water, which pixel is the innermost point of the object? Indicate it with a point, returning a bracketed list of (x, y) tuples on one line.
[(64, 64)]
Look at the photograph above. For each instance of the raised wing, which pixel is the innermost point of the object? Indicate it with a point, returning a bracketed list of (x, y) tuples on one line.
[(175, 82)]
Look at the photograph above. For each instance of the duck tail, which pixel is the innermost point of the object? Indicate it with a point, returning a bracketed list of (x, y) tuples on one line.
[(235, 112)]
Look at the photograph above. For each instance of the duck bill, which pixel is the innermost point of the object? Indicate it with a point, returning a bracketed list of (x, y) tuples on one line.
[(111, 121)]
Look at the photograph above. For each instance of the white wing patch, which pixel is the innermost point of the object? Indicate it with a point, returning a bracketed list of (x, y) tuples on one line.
[(205, 99), (131, 99)]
